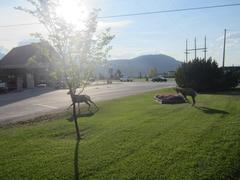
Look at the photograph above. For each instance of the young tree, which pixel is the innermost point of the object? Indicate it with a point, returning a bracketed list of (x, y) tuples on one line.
[(118, 74), (153, 72), (79, 50)]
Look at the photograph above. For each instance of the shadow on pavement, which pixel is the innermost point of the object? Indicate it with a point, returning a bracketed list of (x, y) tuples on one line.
[(13, 97)]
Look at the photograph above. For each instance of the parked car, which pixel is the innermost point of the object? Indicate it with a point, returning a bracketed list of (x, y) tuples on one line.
[(126, 79), (3, 87), (159, 79), (91, 79), (42, 85)]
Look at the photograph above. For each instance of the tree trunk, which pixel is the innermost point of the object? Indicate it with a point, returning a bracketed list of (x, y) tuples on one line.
[(75, 121)]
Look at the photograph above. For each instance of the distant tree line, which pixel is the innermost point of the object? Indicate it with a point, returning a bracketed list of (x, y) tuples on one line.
[(117, 74)]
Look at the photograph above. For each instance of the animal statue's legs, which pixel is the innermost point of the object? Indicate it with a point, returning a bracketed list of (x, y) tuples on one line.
[(70, 106), (194, 101), (78, 109), (89, 105), (185, 97), (94, 105)]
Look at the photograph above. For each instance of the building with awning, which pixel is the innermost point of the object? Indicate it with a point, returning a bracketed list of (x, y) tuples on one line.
[(28, 66)]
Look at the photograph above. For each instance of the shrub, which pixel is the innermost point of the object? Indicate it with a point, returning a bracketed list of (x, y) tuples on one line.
[(205, 75), (230, 79)]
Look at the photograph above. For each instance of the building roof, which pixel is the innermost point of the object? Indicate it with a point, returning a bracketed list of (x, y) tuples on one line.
[(28, 56)]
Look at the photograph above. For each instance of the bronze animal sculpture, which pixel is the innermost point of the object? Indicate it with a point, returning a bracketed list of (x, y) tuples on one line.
[(77, 99), (187, 92)]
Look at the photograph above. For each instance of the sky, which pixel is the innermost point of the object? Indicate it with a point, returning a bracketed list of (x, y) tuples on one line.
[(148, 34)]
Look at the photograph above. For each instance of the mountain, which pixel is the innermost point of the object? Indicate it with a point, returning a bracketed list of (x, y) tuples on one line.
[(132, 67)]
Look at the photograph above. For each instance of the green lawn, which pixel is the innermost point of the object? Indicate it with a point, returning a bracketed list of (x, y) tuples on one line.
[(130, 138)]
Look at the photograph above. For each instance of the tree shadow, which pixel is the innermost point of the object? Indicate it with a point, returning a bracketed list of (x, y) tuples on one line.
[(231, 92), (76, 154), (76, 158), (86, 114), (211, 110)]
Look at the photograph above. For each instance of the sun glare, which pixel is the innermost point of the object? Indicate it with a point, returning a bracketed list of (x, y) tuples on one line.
[(73, 12)]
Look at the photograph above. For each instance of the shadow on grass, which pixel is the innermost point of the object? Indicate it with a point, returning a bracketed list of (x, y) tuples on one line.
[(82, 114), (76, 154), (76, 157), (211, 110), (231, 92), (86, 114)]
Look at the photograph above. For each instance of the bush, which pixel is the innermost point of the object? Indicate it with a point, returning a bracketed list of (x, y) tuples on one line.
[(205, 75), (230, 80)]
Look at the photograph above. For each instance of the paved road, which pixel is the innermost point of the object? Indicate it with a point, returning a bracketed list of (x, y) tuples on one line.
[(35, 102)]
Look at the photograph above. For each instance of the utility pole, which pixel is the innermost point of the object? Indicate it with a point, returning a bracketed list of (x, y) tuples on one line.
[(224, 48), (186, 52), (205, 48), (195, 47)]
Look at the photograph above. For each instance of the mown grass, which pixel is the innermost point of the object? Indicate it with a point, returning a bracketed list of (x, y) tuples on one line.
[(130, 138)]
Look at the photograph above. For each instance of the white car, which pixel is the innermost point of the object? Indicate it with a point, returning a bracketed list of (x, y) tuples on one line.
[(126, 79), (42, 85), (3, 87)]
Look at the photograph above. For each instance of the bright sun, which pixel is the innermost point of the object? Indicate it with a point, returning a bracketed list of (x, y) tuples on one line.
[(73, 12)]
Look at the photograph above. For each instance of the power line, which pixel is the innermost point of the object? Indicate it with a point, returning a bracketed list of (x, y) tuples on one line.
[(138, 14), (169, 11), (16, 25)]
